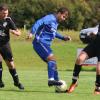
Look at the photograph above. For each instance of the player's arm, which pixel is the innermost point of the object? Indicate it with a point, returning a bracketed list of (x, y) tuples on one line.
[(15, 32), (30, 35), (98, 33), (53, 28), (65, 38), (13, 29), (92, 35), (35, 26), (90, 31)]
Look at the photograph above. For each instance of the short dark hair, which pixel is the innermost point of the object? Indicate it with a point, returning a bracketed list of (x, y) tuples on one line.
[(62, 10), (3, 7)]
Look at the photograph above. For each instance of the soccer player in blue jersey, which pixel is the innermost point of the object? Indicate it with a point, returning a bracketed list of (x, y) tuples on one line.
[(45, 30)]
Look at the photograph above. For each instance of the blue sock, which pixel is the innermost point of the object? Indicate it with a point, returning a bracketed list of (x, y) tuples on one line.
[(52, 70), (56, 76)]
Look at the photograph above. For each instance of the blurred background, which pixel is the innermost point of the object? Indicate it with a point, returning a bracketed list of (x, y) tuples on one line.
[(83, 13)]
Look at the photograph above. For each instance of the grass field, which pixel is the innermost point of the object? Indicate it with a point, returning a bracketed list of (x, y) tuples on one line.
[(33, 73), (36, 88)]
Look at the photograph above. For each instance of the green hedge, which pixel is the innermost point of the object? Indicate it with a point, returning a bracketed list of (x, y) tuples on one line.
[(84, 13)]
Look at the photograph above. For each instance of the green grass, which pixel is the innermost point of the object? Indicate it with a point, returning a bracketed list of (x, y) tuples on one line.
[(36, 88), (33, 72)]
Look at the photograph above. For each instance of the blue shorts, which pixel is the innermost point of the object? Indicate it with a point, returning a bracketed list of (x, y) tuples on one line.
[(43, 50)]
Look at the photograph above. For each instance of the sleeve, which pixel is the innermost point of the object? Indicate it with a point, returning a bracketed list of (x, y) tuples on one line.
[(89, 30), (11, 24), (35, 26), (51, 26), (98, 34), (99, 28), (47, 21), (59, 36)]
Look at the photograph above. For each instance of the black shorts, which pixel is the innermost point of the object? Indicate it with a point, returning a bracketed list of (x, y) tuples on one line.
[(93, 50), (6, 52)]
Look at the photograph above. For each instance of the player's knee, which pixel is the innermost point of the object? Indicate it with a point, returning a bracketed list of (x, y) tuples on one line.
[(80, 60), (10, 64), (51, 58)]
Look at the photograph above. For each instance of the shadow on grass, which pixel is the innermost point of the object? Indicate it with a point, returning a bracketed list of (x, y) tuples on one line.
[(25, 91), (83, 69), (45, 92)]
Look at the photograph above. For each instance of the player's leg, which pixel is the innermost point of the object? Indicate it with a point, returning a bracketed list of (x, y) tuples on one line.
[(56, 75), (1, 69), (8, 57), (97, 83), (45, 53), (77, 68), (14, 74), (87, 52), (53, 78)]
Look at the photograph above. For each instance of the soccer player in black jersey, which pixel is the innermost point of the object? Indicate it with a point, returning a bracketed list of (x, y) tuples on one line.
[(91, 50), (7, 26)]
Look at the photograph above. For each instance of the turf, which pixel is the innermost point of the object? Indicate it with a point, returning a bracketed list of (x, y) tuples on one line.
[(33, 73), (36, 88)]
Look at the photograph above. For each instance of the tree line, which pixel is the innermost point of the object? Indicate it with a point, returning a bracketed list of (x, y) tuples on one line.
[(83, 13)]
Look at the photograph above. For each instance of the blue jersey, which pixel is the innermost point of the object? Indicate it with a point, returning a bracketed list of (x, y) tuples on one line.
[(45, 29)]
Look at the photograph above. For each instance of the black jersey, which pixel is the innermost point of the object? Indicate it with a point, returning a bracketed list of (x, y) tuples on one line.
[(5, 25), (99, 28), (97, 40)]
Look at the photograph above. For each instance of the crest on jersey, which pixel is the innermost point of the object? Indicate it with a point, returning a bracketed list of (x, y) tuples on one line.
[(4, 24)]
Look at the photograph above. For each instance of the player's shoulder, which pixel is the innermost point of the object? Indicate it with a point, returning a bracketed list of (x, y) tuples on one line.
[(50, 17), (90, 29), (8, 19)]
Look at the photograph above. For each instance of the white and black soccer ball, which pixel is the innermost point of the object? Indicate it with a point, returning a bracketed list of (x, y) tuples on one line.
[(61, 88)]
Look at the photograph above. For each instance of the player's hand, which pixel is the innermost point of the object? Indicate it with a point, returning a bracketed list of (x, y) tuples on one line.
[(29, 36), (92, 35), (67, 38), (15, 32)]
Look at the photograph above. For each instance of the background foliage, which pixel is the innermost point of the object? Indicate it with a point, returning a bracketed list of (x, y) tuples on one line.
[(84, 13)]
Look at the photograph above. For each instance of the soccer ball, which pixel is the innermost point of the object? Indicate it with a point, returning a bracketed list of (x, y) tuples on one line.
[(61, 88)]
